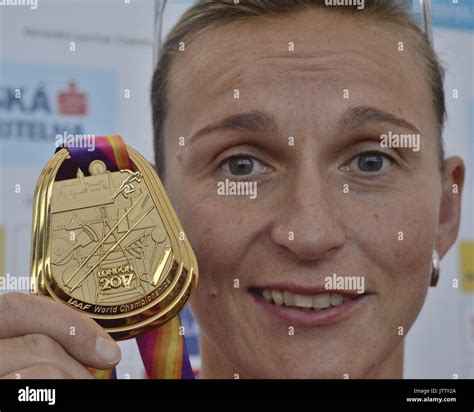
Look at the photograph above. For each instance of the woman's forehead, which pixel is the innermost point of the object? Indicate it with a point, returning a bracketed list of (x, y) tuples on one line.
[(304, 67)]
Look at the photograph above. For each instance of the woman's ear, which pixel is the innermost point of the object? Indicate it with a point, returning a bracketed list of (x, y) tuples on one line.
[(450, 208)]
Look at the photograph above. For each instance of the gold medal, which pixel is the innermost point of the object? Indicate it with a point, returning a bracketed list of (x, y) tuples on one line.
[(110, 245)]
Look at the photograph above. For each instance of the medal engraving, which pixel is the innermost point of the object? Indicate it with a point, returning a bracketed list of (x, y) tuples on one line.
[(108, 245)]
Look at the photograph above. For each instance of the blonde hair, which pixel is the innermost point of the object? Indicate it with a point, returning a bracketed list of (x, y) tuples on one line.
[(207, 14)]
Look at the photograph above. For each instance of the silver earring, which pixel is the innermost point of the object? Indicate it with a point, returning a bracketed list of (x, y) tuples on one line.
[(435, 270)]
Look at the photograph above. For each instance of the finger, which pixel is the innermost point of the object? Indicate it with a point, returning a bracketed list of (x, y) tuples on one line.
[(25, 351), (40, 371), (79, 335)]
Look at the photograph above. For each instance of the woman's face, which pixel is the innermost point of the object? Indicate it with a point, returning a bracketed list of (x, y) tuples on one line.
[(310, 96)]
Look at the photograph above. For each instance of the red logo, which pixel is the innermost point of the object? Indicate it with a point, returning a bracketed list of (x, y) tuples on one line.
[(71, 102)]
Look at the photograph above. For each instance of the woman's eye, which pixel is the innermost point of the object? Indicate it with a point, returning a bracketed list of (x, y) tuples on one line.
[(242, 166), (370, 162)]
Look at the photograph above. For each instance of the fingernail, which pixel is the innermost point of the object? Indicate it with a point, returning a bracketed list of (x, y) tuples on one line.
[(108, 350)]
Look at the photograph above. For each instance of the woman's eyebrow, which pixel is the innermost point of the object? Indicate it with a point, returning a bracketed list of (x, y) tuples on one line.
[(258, 121), (362, 115), (254, 121)]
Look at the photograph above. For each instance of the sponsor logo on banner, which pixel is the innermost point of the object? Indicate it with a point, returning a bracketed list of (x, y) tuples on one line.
[(71, 102), (40, 102)]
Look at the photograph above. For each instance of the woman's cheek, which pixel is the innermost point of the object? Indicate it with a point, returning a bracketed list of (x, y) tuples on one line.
[(398, 250), (216, 235)]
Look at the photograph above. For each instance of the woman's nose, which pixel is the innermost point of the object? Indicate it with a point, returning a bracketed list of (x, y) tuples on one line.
[(307, 224)]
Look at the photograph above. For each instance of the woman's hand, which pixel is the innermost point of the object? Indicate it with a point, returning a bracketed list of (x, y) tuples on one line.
[(40, 338)]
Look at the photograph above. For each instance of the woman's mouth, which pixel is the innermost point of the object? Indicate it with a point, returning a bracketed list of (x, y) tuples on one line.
[(308, 309)]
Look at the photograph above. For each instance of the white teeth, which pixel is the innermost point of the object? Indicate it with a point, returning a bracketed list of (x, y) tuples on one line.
[(336, 299), (303, 301), (267, 295), (321, 301), (290, 299), (277, 297)]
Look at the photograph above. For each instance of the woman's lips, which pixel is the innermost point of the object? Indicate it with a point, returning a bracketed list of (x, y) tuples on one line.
[(327, 308)]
